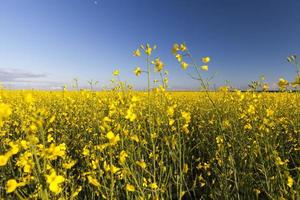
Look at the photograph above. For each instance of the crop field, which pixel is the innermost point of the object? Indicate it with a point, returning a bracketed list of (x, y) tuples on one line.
[(149, 100), (154, 144), (157, 145)]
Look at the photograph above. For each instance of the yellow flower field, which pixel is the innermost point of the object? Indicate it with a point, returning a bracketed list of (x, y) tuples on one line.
[(157, 144), (108, 145)]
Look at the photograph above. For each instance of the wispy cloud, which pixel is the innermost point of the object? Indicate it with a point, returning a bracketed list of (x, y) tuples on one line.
[(22, 79), (17, 75)]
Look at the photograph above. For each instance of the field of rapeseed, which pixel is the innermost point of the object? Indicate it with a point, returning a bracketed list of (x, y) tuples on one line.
[(125, 144)]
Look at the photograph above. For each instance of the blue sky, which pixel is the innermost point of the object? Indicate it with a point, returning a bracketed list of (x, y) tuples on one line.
[(47, 43)]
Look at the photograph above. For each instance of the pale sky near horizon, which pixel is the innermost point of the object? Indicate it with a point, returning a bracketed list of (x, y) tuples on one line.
[(45, 44)]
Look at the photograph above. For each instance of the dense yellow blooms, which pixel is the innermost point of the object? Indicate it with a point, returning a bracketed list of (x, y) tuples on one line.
[(5, 110), (186, 116), (103, 141), (130, 115), (153, 144)]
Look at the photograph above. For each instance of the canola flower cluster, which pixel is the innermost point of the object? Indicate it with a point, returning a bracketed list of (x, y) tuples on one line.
[(125, 144)]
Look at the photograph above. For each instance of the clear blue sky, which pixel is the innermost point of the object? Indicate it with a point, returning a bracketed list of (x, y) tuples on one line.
[(46, 43)]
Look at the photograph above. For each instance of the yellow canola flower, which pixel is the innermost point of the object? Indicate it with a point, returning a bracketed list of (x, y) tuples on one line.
[(137, 71), (11, 185), (282, 83), (24, 144), (5, 111), (116, 72), (179, 57), (290, 181), (206, 59), (141, 163), (171, 122), (70, 164), (4, 159), (184, 65), (148, 50), (56, 151), (204, 67), (159, 65), (106, 166), (27, 168), (265, 87), (278, 161), (135, 138), (185, 128), (29, 99), (251, 110), (75, 194), (14, 148), (122, 157), (130, 188), (51, 120), (270, 112), (107, 119), (248, 126), (135, 99), (137, 53), (185, 168), (175, 48), (219, 140), (33, 128), (183, 47), (186, 116), (153, 186), (50, 138), (170, 111), (114, 169), (26, 162), (93, 181), (86, 151), (113, 139), (130, 115), (54, 182), (201, 180)]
